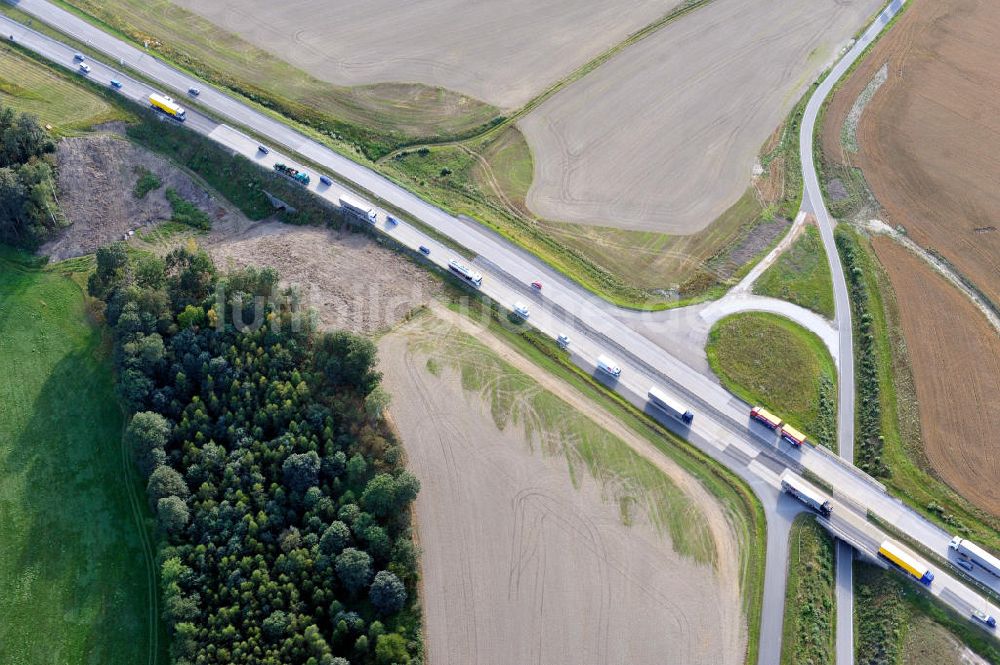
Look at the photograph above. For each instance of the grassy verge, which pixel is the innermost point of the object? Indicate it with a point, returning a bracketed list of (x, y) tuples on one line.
[(53, 96), (73, 576), (889, 412), (810, 619), (887, 607), (145, 183), (742, 505), (801, 275), (766, 359)]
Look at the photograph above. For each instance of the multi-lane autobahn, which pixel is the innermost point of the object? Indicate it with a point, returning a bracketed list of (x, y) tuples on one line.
[(721, 426)]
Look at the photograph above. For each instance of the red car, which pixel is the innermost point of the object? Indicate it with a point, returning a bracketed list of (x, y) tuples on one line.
[(536, 284)]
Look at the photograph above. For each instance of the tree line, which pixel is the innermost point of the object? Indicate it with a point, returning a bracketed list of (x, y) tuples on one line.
[(28, 213), (279, 493)]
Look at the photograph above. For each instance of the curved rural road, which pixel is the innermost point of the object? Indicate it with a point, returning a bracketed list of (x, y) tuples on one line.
[(721, 427), (813, 203)]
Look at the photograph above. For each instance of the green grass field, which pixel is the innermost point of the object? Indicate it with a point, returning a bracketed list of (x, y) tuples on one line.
[(54, 97), (74, 581), (891, 619), (766, 359), (801, 275), (810, 622)]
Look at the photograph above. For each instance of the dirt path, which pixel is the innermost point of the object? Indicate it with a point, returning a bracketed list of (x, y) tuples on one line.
[(525, 563)]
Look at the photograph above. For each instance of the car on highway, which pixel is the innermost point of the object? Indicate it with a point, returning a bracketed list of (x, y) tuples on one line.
[(262, 150), (194, 92), (391, 221), (84, 68), (521, 310), (424, 249), (536, 285), (115, 83), (984, 618), (326, 181), (562, 341), (78, 56)]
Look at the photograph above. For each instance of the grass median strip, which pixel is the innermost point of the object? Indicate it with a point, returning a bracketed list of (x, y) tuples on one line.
[(808, 635)]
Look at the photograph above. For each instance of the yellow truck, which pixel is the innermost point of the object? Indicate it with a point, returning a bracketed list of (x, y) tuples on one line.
[(167, 105), (906, 562)]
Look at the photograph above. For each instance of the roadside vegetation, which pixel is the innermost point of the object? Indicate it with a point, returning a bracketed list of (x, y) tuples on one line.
[(768, 360), (75, 579), (801, 275), (146, 183), (280, 498), (888, 609), (186, 213), (810, 619), (888, 430)]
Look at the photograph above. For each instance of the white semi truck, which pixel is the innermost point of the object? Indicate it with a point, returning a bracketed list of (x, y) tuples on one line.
[(608, 366), (805, 492), (977, 554), (668, 404), (360, 208)]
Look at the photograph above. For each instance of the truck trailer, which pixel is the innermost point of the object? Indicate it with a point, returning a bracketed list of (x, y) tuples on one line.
[(792, 435), (298, 176), (360, 208), (466, 273), (608, 366), (760, 414), (909, 564), (167, 106), (805, 492), (664, 402), (977, 554)]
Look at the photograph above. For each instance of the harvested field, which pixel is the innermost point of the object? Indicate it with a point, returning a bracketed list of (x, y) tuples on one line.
[(504, 57), (526, 489), (664, 136), (97, 175), (955, 355), (353, 282), (929, 139)]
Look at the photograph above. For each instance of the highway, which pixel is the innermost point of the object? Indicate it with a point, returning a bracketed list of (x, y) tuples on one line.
[(721, 427)]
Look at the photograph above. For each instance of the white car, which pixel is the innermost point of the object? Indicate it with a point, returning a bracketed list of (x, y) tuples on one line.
[(562, 341), (84, 68), (521, 310)]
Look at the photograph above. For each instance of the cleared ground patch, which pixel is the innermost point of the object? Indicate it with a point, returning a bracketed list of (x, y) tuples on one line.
[(53, 97), (504, 56), (955, 357), (97, 178), (353, 282), (801, 275), (74, 585), (929, 141), (929, 642), (766, 359), (526, 493), (664, 136)]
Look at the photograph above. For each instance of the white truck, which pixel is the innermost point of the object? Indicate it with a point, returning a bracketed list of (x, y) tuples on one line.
[(608, 366), (358, 207), (794, 484), (665, 403), (976, 554)]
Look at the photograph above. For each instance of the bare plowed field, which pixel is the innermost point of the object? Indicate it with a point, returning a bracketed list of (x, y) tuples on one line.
[(504, 54), (929, 139), (526, 558), (664, 136), (955, 355)]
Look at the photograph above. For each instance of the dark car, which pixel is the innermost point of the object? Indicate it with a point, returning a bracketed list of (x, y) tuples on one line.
[(194, 92), (115, 83), (261, 149), (425, 249), (326, 181)]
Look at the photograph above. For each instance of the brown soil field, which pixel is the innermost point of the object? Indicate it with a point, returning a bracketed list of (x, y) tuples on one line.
[(526, 557), (955, 355), (502, 54), (96, 177), (351, 281), (930, 642), (664, 136), (929, 139)]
